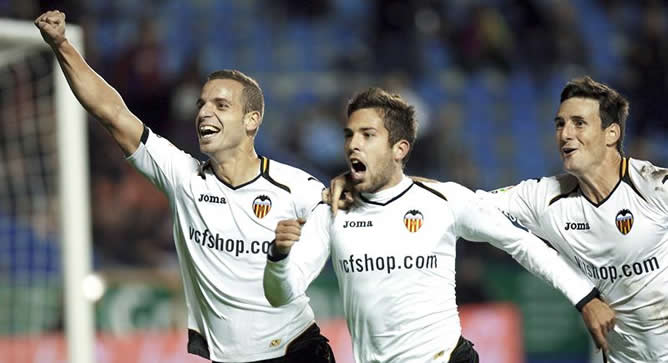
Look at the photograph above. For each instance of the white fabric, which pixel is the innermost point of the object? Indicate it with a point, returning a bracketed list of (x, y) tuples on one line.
[(630, 270), (222, 245), (398, 285)]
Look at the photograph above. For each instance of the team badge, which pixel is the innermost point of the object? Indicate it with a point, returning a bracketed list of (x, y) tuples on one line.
[(624, 221), (261, 206), (413, 220)]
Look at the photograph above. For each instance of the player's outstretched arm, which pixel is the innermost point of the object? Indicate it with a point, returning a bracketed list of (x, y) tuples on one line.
[(505, 233), (93, 92)]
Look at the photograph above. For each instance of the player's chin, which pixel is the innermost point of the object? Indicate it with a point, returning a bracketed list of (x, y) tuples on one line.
[(361, 186), (206, 148), (570, 167)]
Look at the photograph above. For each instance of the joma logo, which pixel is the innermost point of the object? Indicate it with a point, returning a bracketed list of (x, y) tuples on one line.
[(576, 226), (211, 199), (357, 224)]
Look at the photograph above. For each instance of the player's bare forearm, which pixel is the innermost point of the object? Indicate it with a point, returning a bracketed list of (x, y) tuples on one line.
[(99, 98), (93, 92)]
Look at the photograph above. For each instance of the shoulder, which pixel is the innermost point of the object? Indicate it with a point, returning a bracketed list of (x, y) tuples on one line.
[(155, 150), (646, 179), (447, 191), (288, 178), (647, 173), (547, 190)]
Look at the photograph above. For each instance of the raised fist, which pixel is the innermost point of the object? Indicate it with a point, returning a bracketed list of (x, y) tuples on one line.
[(287, 233), (52, 26)]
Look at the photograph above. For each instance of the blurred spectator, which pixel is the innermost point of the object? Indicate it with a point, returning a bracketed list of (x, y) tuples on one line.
[(395, 36), (485, 41), (139, 76), (647, 79)]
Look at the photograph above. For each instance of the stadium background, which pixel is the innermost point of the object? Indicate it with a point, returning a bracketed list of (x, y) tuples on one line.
[(485, 76)]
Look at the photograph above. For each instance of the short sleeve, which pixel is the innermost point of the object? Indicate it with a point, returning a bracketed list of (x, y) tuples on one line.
[(162, 163)]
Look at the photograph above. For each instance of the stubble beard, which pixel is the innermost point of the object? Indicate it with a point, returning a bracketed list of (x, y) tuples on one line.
[(377, 180)]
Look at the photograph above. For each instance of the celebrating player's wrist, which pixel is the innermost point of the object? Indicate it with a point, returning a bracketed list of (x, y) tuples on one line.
[(275, 253)]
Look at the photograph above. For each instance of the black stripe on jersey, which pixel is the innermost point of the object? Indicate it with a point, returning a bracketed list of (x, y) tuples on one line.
[(626, 177), (238, 186), (436, 192), (389, 201), (665, 178), (604, 199), (547, 243), (317, 205), (144, 135), (564, 195), (207, 165), (623, 177), (265, 174)]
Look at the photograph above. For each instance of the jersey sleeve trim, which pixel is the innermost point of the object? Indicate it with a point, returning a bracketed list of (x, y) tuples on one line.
[(264, 171), (591, 296), (434, 191), (273, 255), (317, 205), (144, 135)]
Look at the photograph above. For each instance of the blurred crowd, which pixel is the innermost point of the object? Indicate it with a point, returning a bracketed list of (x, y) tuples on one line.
[(484, 75)]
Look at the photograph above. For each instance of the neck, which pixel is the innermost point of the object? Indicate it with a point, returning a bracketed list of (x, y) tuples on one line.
[(392, 181), (237, 166), (598, 182)]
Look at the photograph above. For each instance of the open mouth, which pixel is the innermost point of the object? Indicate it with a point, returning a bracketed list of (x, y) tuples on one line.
[(208, 131), (357, 169), (567, 150)]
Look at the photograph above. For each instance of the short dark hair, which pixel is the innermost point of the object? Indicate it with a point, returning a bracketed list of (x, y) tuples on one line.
[(398, 116), (252, 93), (612, 107)]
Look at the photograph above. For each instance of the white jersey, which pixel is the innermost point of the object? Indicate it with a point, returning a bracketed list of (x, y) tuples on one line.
[(620, 244), (222, 234), (394, 258)]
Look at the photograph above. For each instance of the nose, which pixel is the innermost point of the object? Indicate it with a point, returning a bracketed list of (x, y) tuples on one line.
[(566, 132), (204, 112), (354, 143)]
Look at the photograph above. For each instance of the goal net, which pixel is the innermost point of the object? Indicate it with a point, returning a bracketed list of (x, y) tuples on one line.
[(44, 212)]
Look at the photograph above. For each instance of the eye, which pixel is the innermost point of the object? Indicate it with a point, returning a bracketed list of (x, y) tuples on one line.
[(223, 106), (559, 124)]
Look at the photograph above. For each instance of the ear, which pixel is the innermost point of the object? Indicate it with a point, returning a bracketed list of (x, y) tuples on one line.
[(252, 121), (612, 134), (401, 149)]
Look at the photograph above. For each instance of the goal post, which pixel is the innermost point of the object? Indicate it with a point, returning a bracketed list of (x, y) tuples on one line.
[(72, 191)]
